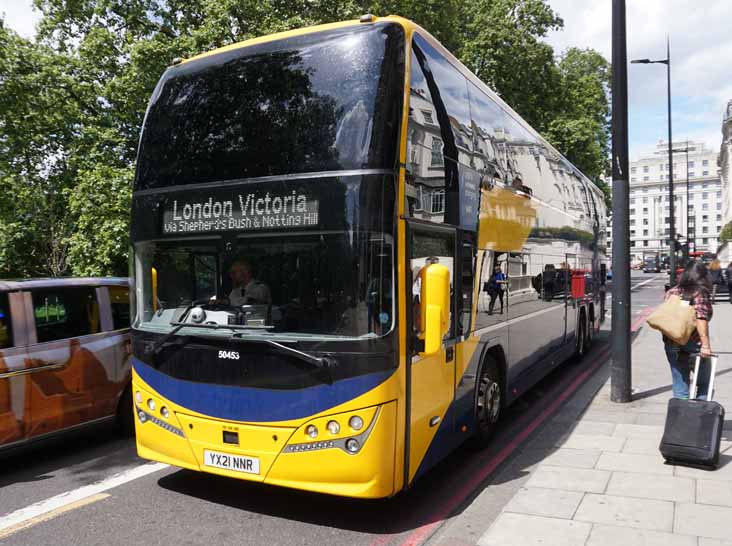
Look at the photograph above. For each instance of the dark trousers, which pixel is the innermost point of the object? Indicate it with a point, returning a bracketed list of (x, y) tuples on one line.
[(495, 294)]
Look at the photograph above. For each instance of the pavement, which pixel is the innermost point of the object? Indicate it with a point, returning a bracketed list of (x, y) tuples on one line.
[(594, 476)]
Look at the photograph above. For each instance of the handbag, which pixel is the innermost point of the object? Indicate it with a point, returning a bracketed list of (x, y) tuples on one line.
[(675, 318)]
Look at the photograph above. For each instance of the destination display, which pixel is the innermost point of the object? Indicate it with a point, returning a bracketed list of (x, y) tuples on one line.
[(242, 212)]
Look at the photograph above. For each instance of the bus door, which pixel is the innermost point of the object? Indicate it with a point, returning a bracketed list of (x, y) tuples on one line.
[(432, 378), (572, 304)]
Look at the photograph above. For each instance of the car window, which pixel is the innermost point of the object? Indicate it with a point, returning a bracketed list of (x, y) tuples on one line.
[(119, 299), (6, 332), (63, 313)]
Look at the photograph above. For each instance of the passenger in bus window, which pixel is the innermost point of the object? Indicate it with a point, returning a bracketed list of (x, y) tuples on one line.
[(245, 289)]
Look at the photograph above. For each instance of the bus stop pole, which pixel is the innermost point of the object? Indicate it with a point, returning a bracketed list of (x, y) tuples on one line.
[(620, 374)]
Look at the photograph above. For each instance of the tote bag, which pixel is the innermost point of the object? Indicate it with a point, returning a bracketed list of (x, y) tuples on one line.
[(675, 319)]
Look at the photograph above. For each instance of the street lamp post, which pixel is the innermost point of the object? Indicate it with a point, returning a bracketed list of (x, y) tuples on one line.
[(689, 238), (672, 231)]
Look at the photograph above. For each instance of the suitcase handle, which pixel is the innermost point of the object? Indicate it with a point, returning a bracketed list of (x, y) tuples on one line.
[(712, 375)]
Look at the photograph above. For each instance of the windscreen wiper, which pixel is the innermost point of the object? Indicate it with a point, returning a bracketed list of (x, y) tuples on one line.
[(315, 361), (323, 365)]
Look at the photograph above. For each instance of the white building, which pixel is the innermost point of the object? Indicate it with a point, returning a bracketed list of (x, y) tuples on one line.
[(725, 172), (650, 208)]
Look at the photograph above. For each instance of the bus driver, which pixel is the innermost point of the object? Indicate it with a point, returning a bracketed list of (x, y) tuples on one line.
[(245, 289)]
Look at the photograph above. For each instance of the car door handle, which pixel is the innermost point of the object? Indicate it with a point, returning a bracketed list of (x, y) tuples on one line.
[(27, 371)]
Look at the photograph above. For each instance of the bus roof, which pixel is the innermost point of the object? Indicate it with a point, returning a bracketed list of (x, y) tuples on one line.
[(409, 27)]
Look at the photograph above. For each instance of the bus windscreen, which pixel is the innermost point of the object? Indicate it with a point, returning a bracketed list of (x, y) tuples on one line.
[(323, 101)]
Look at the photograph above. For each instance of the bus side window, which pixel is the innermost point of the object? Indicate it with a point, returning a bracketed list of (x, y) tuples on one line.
[(431, 247)]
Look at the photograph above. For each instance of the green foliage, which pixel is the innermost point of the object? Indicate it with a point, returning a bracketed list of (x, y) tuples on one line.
[(726, 234), (72, 102)]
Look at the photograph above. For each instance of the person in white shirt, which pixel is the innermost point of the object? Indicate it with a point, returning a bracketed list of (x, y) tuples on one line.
[(246, 290)]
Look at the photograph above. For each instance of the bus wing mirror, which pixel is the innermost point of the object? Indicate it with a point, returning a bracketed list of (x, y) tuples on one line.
[(435, 297)]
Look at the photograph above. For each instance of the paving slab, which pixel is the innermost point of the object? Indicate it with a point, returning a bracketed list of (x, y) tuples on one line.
[(609, 535), (608, 416), (633, 462), (650, 486), (593, 427), (569, 479), (714, 542), (644, 431), (545, 502), (524, 530), (657, 515), (640, 445), (703, 520), (653, 419), (714, 492), (722, 473), (578, 458), (593, 441)]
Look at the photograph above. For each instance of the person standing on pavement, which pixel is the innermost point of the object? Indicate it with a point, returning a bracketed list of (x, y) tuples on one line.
[(694, 287), (715, 276), (496, 287)]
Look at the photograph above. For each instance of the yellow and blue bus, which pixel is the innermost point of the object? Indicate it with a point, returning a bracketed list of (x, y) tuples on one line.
[(350, 255)]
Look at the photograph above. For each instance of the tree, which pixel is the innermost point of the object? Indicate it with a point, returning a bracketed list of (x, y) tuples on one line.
[(72, 103)]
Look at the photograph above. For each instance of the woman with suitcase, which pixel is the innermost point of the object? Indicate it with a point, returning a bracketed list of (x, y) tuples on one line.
[(694, 287)]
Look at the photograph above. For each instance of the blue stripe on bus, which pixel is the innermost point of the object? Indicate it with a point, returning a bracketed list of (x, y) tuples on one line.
[(256, 405)]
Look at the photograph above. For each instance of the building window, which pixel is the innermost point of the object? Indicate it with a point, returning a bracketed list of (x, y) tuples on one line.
[(645, 243), (661, 177), (705, 229), (705, 195), (719, 217), (632, 212), (705, 173), (645, 200), (705, 185), (436, 152), (705, 163), (645, 221), (645, 179), (632, 221), (719, 206), (632, 179), (632, 201), (691, 164), (645, 233), (645, 210), (438, 202), (632, 170), (428, 117), (632, 243), (691, 174), (645, 169), (705, 241), (705, 218), (705, 206), (645, 190), (719, 195)]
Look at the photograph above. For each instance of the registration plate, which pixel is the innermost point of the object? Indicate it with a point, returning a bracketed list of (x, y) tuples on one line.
[(238, 463)]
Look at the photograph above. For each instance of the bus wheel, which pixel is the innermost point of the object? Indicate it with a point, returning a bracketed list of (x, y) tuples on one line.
[(589, 335), (581, 345), (125, 416), (488, 402)]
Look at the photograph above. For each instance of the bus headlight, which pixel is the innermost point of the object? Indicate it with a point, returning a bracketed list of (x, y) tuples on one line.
[(312, 431), (164, 412), (355, 422), (151, 404), (138, 397), (352, 445), (334, 427)]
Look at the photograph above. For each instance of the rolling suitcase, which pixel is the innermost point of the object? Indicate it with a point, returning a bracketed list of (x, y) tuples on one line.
[(693, 429)]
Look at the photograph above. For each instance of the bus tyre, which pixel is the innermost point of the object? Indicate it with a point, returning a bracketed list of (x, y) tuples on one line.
[(125, 416), (589, 335), (581, 345), (488, 401)]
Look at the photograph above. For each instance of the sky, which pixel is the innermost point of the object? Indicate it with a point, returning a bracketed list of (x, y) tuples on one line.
[(701, 57)]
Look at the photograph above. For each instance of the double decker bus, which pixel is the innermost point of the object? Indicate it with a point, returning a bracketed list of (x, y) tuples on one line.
[(350, 255)]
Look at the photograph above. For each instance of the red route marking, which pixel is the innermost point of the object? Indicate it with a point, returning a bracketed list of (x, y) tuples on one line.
[(424, 531)]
